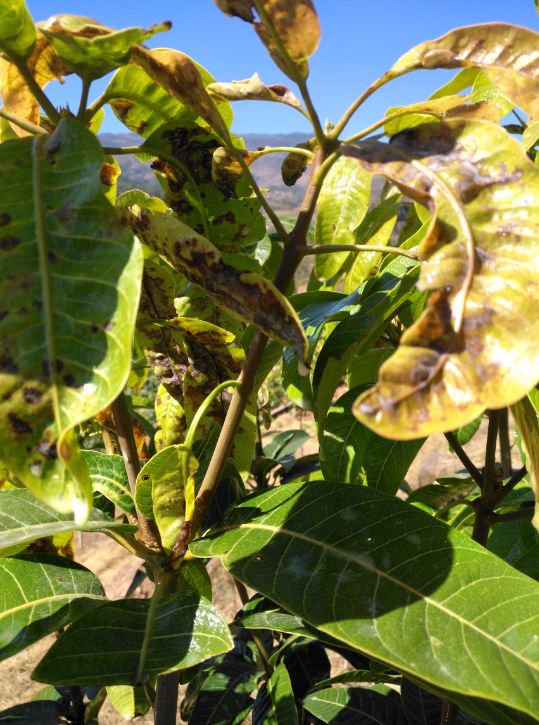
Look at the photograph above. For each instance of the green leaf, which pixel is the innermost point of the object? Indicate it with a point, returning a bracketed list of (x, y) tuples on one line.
[(246, 295), (527, 424), (444, 107), (160, 490), (466, 432), (391, 581), (351, 453), (463, 79), (485, 90), (357, 332), (530, 137), (108, 477), (376, 228), (91, 49), (47, 712), (61, 245), (472, 348), (343, 202), (40, 593), (507, 52), (194, 576), (17, 30), (24, 519), (517, 543), (275, 702), (86, 654), (224, 693), (144, 105), (355, 705), (364, 369), (444, 493), (129, 702), (169, 418)]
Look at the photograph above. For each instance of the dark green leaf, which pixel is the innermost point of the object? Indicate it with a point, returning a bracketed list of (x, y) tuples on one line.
[(354, 706), (87, 654), (419, 705), (388, 579), (108, 477), (275, 701), (24, 519), (40, 593), (61, 246), (351, 453), (46, 712), (224, 693)]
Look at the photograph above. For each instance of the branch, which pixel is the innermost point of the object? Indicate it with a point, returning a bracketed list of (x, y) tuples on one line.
[(522, 513), (124, 429), (21, 123), (38, 93), (464, 458)]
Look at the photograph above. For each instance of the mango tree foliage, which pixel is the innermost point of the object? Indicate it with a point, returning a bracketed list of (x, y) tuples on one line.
[(473, 346), (18, 33), (59, 366), (380, 575), (507, 52)]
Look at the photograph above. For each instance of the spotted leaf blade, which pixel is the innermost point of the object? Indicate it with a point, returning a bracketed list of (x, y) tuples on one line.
[(61, 244)]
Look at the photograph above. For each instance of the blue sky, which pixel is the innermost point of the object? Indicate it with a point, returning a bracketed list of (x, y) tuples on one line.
[(360, 41)]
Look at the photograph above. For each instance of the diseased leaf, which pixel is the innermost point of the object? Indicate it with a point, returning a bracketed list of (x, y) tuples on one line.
[(484, 90), (355, 705), (143, 105), (40, 593), (391, 581), (17, 30), (226, 170), (109, 477), (343, 202), (169, 418), (528, 426), (246, 295), (296, 24), (507, 52), (295, 165), (352, 453), (179, 75), (44, 65), (63, 244), (24, 519), (86, 654), (160, 492), (443, 107), (252, 89), (237, 8), (91, 49), (472, 348), (232, 216)]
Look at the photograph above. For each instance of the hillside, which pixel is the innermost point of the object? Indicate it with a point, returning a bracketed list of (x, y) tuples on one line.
[(267, 170)]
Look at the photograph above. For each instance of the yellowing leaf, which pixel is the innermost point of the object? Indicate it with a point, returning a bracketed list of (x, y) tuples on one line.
[(509, 53), (474, 346), (44, 65), (91, 49), (253, 89), (245, 294), (226, 170), (295, 165), (444, 107), (297, 25), (179, 75)]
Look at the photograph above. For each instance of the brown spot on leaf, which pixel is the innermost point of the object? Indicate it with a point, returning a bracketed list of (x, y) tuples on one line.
[(5, 218), (3, 314), (123, 108), (23, 311), (9, 242), (47, 449), (32, 395), (108, 174), (69, 380), (18, 424), (52, 257)]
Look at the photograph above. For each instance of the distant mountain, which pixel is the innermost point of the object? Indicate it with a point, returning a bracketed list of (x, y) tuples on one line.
[(267, 170)]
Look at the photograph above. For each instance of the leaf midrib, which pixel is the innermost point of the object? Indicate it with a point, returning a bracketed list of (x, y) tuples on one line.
[(56, 597)]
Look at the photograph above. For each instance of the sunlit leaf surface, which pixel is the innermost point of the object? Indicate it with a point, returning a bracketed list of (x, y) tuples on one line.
[(392, 581), (69, 287), (187, 631), (474, 346)]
